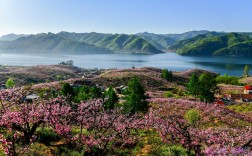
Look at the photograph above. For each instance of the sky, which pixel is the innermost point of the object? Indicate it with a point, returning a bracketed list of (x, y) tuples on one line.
[(124, 16)]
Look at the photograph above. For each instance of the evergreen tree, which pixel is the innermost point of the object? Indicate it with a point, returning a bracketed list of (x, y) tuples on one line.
[(112, 99), (95, 92), (167, 75), (67, 90), (135, 97), (246, 71), (82, 93), (208, 87), (192, 87)]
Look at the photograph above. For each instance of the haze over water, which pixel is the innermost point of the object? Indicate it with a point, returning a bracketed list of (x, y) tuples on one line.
[(170, 60)]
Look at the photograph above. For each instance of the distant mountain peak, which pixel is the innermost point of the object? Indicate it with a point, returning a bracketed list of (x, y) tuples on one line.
[(11, 37)]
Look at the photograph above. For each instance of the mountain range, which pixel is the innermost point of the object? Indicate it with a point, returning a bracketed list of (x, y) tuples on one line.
[(164, 41), (80, 43), (121, 43), (196, 43)]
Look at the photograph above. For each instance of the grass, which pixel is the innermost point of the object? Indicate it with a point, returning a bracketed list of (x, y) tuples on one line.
[(47, 135), (243, 108), (168, 94), (232, 80)]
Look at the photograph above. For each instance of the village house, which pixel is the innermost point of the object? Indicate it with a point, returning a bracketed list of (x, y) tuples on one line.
[(245, 97), (247, 89)]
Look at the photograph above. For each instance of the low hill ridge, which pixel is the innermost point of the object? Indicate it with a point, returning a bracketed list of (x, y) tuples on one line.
[(215, 44)]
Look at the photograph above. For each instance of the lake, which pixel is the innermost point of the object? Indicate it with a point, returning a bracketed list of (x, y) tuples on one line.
[(169, 60)]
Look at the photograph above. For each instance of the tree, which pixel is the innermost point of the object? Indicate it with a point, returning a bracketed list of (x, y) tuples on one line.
[(10, 83), (135, 97), (67, 90), (246, 71), (70, 62), (82, 93), (167, 75), (112, 99), (104, 130), (173, 129), (67, 63), (208, 87), (95, 92), (192, 87)]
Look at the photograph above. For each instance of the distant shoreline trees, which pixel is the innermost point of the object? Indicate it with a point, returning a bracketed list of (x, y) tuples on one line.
[(67, 63)]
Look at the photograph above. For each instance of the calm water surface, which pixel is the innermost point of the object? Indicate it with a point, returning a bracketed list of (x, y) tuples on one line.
[(172, 61)]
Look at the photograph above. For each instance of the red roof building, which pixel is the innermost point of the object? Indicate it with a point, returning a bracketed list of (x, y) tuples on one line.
[(247, 89)]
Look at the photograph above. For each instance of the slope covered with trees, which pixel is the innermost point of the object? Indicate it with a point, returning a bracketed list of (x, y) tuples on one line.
[(114, 42), (81, 43), (158, 40), (164, 41), (50, 42), (231, 44)]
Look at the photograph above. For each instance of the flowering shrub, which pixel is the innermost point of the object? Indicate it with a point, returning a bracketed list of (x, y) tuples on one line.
[(99, 131), (174, 129)]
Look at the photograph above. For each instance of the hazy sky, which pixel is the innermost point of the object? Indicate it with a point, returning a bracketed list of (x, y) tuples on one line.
[(124, 16)]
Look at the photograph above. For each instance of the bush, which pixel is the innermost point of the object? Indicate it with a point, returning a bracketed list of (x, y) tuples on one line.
[(178, 151), (178, 91), (65, 151), (170, 150), (192, 116), (168, 94), (47, 135), (233, 80), (10, 83)]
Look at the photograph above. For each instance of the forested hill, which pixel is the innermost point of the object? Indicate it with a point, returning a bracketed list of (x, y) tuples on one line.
[(164, 41), (80, 43), (50, 43), (215, 44), (158, 40), (192, 43), (121, 43)]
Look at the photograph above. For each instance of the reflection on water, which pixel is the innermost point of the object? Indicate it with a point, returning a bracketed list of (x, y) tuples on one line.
[(172, 61), (226, 66)]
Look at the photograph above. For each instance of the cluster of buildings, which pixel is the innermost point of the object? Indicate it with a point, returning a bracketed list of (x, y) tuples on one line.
[(246, 96)]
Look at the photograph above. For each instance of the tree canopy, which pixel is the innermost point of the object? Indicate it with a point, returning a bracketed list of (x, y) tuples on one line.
[(203, 87), (192, 87), (112, 99), (167, 75), (135, 97)]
